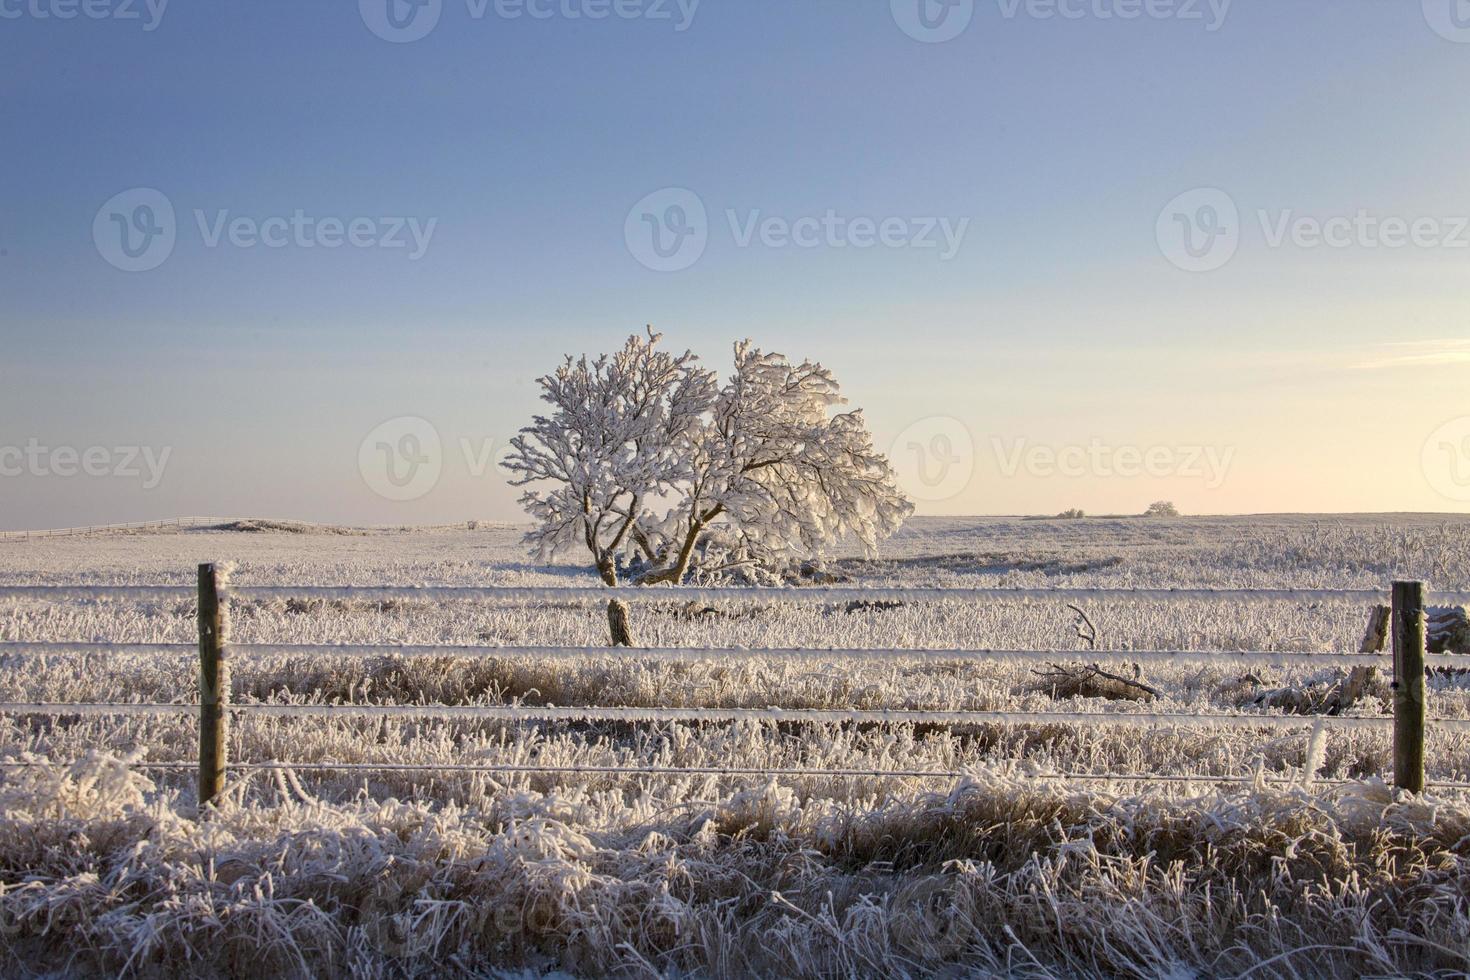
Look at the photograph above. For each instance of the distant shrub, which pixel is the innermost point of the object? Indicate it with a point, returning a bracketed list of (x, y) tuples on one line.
[(1075, 514), (1161, 508)]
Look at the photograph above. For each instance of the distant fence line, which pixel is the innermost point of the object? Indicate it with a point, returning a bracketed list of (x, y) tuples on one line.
[(1408, 629), (61, 532)]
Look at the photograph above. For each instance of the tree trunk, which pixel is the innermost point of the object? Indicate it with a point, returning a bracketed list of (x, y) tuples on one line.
[(675, 575), (644, 545), (619, 624)]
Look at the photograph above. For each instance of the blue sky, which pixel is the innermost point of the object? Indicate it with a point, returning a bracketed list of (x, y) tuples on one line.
[(1319, 377)]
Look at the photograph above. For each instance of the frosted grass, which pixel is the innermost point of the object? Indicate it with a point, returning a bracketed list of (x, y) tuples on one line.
[(731, 857)]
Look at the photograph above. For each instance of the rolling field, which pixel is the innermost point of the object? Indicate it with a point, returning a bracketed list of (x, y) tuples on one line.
[(1036, 859)]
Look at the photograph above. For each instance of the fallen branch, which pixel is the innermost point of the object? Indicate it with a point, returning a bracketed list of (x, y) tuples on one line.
[(1091, 682), (1318, 699), (1083, 627)]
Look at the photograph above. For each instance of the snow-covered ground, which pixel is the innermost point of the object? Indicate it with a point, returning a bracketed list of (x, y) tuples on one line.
[(1006, 869)]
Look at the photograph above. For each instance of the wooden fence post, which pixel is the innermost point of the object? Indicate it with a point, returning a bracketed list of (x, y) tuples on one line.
[(214, 697), (1408, 685)]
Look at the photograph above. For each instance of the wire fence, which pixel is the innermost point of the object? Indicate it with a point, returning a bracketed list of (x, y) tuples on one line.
[(814, 595), (1278, 659), (521, 713), (516, 769), (1407, 723)]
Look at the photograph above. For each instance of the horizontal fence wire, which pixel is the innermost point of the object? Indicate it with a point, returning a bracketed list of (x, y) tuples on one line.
[(897, 716), (724, 655), (64, 648), (534, 769), (522, 768), (815, 594), (808, 716)]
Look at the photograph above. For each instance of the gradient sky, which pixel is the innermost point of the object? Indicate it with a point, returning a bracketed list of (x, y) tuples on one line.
[(1317, 378)]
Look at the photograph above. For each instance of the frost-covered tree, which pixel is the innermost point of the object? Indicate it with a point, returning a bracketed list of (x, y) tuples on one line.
[(1161, 508), (775, 474), (644, 455), (620, 434)]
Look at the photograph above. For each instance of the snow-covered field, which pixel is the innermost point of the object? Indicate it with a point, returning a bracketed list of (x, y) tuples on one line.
[(378, 872)]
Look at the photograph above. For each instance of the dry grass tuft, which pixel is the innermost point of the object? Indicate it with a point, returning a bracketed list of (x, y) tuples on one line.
[(101, 876)]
